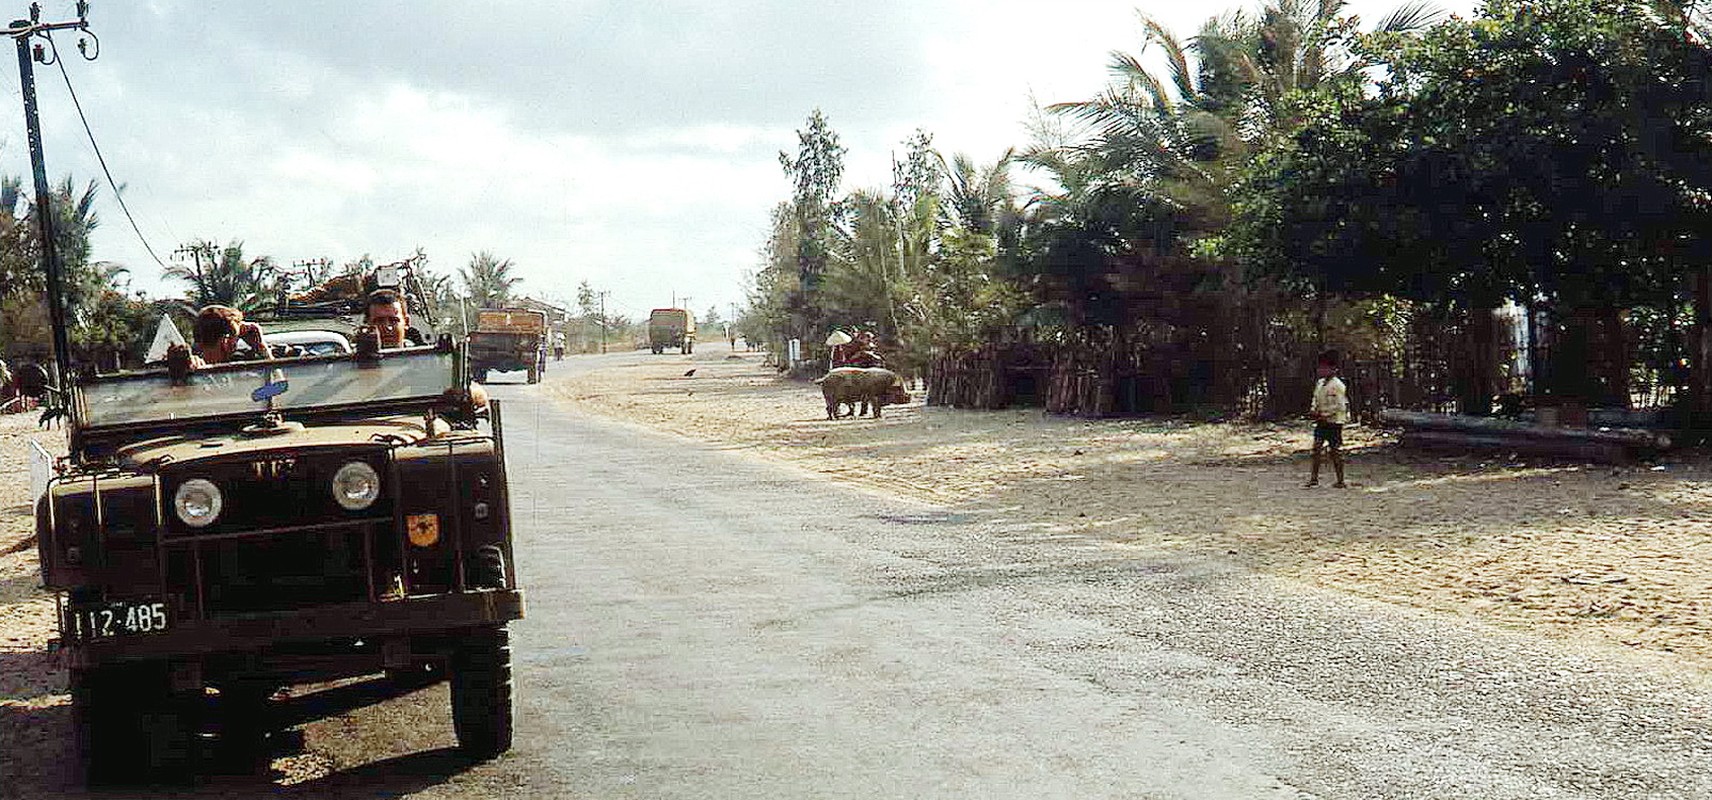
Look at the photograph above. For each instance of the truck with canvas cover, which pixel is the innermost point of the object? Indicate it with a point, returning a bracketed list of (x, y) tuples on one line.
[(507, 340), (217, 534), (671, 327)]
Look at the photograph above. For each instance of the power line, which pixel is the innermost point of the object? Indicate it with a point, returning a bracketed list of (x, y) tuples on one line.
[(117, 195)]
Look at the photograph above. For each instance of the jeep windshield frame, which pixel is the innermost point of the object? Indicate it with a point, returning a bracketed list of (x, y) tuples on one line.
[(128, 405)]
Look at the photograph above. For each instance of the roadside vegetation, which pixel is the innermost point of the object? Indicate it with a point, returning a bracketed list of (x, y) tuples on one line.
[(112, 325), (1511, 203)]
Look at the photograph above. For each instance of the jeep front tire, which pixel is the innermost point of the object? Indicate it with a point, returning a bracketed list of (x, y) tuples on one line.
[(130, 727), (481, 691)]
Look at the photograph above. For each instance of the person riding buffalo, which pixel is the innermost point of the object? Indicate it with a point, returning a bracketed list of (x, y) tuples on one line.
[(861, 351)]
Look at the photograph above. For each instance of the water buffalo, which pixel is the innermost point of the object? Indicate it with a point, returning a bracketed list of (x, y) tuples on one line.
[(870, 386)]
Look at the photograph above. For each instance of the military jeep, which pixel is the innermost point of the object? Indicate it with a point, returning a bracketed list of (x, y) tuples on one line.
[(217, 535)]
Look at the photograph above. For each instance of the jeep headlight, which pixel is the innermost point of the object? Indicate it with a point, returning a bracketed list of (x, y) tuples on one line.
[(356, 486), (197, 502)]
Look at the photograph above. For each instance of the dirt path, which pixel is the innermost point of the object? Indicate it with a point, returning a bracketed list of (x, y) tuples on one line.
[(1619, 555)]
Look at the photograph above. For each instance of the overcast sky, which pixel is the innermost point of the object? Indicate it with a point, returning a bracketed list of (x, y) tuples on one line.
[(632, 144)]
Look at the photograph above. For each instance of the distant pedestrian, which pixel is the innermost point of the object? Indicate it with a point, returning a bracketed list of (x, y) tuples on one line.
[(1330, 410)]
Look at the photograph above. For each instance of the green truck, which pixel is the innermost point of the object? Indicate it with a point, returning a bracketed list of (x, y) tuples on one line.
[(671, 327), (508, 340)]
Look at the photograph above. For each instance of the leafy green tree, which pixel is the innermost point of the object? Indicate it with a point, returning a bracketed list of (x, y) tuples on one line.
[(979, 199), (1120, 245), (114, 327), (920, 173), (1501, 158), (588, 304), (24, 327), (867, 272), (815, 170), (442, 295), (776, 284)]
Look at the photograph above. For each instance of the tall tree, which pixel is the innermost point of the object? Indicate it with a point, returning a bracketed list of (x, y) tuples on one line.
[(775, 285), (978, 199), (587, 305), (488, 279), (24, 330), (1503, 158), (815, 170)]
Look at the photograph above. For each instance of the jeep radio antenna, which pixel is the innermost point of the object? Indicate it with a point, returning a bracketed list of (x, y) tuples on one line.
[(22, 31)]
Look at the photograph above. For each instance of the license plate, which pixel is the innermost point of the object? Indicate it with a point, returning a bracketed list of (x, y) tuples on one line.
[(109, 620)]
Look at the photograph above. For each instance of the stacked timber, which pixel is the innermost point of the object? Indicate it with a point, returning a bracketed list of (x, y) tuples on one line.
[(1460, 432), (967, 380), (1075, 388)]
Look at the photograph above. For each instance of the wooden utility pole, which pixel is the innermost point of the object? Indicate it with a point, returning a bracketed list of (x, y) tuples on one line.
[(603, 294), (22, 31)]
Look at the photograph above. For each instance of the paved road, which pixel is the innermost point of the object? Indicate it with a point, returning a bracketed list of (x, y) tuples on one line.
[(704, 625)]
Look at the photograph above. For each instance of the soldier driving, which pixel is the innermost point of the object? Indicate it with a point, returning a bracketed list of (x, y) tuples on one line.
[(387, 314)]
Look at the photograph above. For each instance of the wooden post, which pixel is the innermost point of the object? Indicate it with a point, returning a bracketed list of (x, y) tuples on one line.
[(1700, 350), (1477, 394)]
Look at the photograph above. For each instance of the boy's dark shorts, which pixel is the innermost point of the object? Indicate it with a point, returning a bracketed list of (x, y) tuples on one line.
[(1329, 432)]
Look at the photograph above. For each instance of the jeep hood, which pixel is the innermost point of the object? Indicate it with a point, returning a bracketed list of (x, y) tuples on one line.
[(181, 449)]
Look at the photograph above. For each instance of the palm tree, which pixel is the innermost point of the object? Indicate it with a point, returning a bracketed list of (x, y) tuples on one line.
[(1224, 90), (488, 280), (978, 198), (874, 252), (223, 276)]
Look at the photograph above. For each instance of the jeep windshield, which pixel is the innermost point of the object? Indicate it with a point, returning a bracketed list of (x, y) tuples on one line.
[(297, 384)]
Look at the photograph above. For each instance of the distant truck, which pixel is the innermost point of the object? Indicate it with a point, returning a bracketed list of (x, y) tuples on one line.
[(671, 327), (507, 340)]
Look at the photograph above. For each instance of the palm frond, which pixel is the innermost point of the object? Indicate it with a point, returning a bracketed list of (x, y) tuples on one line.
[(1412, 16), (1176, 59), (1133, 74)]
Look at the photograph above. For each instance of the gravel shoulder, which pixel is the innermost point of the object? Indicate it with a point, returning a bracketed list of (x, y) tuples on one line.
[(1590, 554)]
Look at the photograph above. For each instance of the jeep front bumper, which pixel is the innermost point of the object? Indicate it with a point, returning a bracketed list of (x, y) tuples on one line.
[(407, 616)]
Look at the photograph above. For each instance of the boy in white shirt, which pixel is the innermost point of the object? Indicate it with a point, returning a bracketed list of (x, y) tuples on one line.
[(1330, 410)]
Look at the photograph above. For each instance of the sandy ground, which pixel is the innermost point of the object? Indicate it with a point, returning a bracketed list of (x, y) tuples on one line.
[(1615, 555), (32, 684), (35, 730)]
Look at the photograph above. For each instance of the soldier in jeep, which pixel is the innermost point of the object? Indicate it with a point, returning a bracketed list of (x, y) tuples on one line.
[(217, 332), (387, 313)]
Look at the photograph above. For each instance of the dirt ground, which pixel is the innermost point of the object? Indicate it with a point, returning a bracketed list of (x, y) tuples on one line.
[(1620, 556), (1615, 555), (32, 684), (35, 729)]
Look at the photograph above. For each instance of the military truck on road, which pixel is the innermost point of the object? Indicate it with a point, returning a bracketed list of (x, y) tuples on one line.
[(507, 340), (217, 534), (671, 327)]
